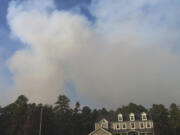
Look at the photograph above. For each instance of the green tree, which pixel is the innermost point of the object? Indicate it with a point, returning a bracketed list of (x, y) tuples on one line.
[(17, 115), (76, 124), (131, 107), (174, 113), (87, 120), (63, 115), (62, 104), (77, 107), (160, 117)]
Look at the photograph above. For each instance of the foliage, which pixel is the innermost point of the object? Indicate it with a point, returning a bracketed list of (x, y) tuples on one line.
[(160, 117), (23, 118)]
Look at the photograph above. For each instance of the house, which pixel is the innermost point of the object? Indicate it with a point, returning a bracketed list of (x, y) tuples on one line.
[(131, 124)]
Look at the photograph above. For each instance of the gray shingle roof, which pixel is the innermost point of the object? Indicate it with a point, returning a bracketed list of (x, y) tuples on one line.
[(114, 118)]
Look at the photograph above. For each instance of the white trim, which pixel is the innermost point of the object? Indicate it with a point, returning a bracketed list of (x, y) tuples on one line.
[(125, 125), (147, 124), (152, 124), (131, 125), (114, 125), (118, 124), (142, 115), (100, 129), (104, 123), (120, 116), (103, 119), (140, 125), (133, 116)]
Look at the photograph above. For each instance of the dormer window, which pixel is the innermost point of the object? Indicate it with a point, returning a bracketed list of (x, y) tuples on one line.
[(131, 117), (120, 117), (144, 116), (104, 123)]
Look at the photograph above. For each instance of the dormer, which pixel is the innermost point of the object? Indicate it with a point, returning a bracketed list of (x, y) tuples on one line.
[(143, 116), (120, 117), (131, 117), (104, 123)]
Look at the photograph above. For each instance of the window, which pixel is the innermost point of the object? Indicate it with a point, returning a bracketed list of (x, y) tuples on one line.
[(124, 126), (133, 125), (104, 125), (120, 117), (143, 115), (141, 125), (117, 126), (148, 125), (131, 117)]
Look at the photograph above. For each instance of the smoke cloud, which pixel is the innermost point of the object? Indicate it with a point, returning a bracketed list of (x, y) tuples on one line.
[(125, 55)]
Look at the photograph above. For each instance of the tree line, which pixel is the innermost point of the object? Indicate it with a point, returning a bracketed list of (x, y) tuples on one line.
[(23, 118)]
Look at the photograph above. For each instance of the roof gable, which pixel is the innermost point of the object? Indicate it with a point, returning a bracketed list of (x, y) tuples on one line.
[(104, 121), (100, 131)]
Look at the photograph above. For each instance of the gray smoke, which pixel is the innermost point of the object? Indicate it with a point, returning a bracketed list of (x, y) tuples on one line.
[(122, 57)]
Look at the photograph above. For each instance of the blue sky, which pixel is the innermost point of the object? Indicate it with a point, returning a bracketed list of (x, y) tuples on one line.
[(9, 45), (90, 50)]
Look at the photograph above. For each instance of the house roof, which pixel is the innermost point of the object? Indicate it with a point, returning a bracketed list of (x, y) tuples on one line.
[(114, 118), (104, 130)]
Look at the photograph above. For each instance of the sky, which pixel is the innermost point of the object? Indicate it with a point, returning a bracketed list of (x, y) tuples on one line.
[(102, 53)]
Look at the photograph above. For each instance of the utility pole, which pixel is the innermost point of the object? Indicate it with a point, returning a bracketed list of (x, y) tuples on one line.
[(40, 122)]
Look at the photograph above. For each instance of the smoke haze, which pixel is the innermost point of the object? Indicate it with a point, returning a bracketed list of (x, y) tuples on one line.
[(125, 55)]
